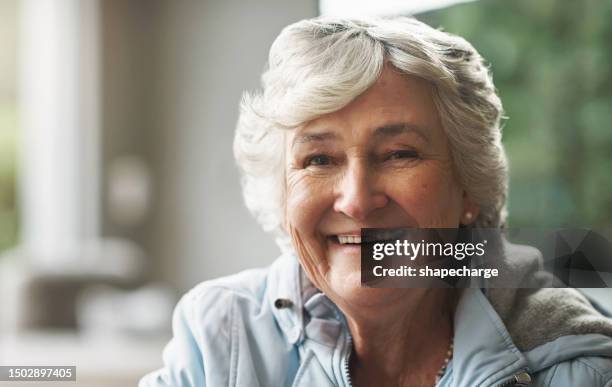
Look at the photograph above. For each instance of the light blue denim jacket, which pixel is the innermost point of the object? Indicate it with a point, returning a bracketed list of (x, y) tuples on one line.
[(228, 332)]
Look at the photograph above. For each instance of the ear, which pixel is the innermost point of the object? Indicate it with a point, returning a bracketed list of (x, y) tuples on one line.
[(469, 211)]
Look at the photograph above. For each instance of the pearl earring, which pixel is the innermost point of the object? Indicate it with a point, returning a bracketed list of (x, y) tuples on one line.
[(468, 215)]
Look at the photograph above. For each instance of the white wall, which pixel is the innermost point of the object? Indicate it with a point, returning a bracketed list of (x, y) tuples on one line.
[(210, 52)]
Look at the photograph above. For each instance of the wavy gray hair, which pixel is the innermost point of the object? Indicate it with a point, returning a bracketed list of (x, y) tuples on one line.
[(320, 65)]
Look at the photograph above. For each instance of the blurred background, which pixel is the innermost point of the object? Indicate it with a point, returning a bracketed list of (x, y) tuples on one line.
[(118, 189)]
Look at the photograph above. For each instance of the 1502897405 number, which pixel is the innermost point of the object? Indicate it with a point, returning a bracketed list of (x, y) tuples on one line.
[(37, 373)]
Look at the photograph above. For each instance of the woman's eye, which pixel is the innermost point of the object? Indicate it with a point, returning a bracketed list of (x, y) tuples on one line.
[(402, 154), (318, 160)]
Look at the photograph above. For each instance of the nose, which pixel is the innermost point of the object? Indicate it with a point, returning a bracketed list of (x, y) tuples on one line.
[(357, 194)]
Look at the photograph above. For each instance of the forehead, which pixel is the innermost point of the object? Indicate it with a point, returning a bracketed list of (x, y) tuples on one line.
[(393, 99)]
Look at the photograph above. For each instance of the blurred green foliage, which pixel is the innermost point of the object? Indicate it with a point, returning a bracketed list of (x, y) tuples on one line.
[(552, 65), (8, 124), (8, 157)]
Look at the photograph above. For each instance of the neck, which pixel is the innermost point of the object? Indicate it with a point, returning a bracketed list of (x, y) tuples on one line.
[(405, 342)]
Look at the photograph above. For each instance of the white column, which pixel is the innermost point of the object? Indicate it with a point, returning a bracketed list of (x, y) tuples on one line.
[(60, 121)]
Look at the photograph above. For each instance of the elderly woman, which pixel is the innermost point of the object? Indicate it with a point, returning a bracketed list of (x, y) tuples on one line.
[(381, 123)]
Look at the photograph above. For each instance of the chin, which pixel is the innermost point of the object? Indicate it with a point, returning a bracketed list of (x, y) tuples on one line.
[(346, 291)]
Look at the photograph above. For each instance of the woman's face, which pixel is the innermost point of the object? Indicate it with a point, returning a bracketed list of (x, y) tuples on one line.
[(382, 161)]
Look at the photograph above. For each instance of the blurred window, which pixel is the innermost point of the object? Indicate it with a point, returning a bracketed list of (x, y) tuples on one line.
[(8, 124), (352, 8), (551, 61)]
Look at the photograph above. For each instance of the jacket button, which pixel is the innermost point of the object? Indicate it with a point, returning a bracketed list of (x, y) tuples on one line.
[(281, 303)]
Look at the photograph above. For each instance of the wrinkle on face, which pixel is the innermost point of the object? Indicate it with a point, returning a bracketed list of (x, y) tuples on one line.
[(342, 174)]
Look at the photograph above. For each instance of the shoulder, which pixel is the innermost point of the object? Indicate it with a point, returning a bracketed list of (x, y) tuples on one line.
[(204, 347), (248, 285), (244, 300), (593, 371), (213, 304)]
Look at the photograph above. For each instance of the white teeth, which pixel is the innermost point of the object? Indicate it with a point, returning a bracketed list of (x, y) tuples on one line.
[(344, 239), (380, 235)]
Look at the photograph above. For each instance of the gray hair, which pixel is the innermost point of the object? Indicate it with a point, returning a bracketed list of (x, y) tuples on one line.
[(320, 65)]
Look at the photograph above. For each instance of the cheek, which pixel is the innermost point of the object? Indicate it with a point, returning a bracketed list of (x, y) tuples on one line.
[(431, 197), (307, 200)]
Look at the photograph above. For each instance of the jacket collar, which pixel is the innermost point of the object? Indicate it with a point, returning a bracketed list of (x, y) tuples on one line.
[(484, 351)]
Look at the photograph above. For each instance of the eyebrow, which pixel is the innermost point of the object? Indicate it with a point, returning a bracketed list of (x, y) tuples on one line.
[(313, 137), (389, 130), (392, 130)]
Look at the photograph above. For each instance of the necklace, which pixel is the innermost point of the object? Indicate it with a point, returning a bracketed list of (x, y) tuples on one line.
[(449, 356)]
